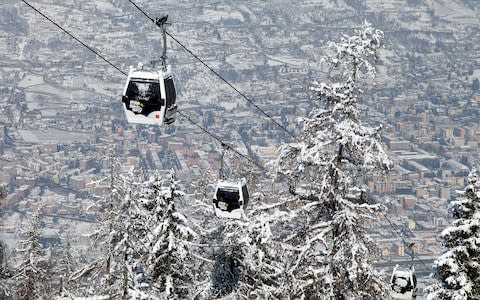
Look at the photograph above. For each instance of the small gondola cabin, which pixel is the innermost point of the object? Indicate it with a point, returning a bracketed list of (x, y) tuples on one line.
[(403, 283), (149, 97), (231, 198)]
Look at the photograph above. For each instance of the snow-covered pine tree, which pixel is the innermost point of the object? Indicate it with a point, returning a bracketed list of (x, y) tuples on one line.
[(251, 263), (5, 273), (33, 272), (5, 270), (102, 277), (168, 260), (227, 260), (208, 240), (120, 235), (336, 151), (263, 265), (129, 246), (66, 267), (457, 271)]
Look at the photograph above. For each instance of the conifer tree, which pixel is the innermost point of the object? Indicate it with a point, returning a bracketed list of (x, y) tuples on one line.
[(263, 266), (5, 273), (4, 268), (336, 151), (252, 263), (228, 260), (457, 271), (168, 260), (33, 272), (120, 236), (101, 272), (67, 266), (131, 229)]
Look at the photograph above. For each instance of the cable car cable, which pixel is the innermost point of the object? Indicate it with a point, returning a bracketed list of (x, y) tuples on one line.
[(247, 99), (119, 70), (217, 74), (233, 87), (142, 11), (182, 114), (224, 145), (404, 241), (73, 37)]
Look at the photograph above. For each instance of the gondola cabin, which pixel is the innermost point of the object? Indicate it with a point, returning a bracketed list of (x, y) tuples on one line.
[(149, 97), (403, 283), (230, 198)]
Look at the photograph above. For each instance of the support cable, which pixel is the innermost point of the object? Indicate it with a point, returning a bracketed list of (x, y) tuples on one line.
[(226, 146), (404, 241), (251, 102), (248, 100), (217, 74)]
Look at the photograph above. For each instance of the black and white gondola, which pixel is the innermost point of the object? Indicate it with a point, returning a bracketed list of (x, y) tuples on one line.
[(403, 283), (149, 96), (231, 198)]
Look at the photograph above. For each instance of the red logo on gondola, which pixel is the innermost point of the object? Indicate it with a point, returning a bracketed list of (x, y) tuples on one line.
[(157, 116)]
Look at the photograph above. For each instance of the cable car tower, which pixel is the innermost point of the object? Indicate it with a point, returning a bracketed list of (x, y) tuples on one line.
[(149, 96)]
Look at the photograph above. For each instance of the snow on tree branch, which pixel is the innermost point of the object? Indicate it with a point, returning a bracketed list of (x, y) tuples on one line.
[(457, 270)]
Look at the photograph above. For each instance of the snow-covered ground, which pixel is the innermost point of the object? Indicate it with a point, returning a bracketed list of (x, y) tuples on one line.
[(214, 16), (31, 80), (452, 11)]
